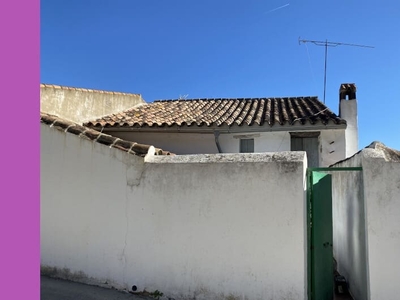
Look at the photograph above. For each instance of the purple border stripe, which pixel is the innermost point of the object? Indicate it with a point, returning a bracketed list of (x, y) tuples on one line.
[(20, 154)]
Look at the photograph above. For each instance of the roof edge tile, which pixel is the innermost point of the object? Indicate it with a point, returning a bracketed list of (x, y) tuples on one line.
[(97, 136)]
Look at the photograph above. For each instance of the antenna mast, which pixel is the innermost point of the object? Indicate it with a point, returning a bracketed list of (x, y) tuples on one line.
[(327, 44)]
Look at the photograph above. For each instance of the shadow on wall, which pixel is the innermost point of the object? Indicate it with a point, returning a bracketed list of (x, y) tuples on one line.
[(366, 207)]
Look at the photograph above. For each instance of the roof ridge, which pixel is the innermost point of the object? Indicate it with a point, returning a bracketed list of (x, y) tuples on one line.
[(233, 99), (97, 136), (179, 112), (63, 87)]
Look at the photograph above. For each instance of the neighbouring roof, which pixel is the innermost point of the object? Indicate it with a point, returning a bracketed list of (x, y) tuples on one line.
[(60, 87), (389, 154), (96, 136), (218, 112)]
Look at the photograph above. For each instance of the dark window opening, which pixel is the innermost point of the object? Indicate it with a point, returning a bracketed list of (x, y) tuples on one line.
[(308, 142), (247, 146)]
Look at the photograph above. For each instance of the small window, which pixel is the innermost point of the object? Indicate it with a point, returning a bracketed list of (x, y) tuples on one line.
[(246, 145)]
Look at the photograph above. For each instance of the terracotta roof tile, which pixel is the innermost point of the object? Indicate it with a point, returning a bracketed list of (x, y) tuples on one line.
[(96, 136), (218, 112)]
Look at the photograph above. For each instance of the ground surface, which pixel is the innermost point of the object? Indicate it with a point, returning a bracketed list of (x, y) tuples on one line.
[(343, 297), (55, 289)]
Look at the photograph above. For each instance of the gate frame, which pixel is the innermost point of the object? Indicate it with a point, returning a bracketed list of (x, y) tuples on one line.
[(308, 206)]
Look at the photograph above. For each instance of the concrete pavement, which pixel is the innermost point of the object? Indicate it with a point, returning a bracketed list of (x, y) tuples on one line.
[(57, 289)]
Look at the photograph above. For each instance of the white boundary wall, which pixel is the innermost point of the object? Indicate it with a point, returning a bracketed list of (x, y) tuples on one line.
[(382, 201), (193, 227), (367, 225), (349, 234)]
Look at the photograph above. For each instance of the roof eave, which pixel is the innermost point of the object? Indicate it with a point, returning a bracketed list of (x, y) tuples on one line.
[(225, 128)]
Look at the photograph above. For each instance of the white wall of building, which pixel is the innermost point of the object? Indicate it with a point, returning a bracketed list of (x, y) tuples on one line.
[(332, 147), (192, 227), (204, 143), (263, 141), (332, 142), (178, 143)]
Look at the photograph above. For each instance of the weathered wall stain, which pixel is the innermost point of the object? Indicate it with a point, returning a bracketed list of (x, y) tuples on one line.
[(80, 105)]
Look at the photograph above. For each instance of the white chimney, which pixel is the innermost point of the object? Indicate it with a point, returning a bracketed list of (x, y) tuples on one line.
[(348, 112)]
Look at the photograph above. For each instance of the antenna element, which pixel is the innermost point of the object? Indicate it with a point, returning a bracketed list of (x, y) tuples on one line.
[(327, 44)]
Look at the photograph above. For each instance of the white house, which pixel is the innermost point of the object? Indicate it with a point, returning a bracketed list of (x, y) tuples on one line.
[(208, 126)]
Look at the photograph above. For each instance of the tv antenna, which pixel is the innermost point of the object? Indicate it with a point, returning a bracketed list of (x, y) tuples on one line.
[(183, 97), (327, 44)]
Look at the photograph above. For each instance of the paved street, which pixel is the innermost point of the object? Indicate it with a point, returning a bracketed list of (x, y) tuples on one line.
[(56, 289)]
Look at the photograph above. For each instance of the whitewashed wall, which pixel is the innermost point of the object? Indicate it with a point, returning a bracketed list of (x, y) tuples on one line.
[(349, 227), (332, 142), (263, 141), (382, 201), (367, 224), (81, 105), (348, 111), (332, 147), (192, 227), (178, 143), (204, 143)]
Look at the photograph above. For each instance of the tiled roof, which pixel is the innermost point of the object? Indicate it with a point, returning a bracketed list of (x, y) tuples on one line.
[(94, 135), (53, 86), (217, 112)]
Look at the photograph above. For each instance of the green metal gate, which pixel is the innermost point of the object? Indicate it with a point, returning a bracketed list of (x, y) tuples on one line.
[(321, 251), (320, 232)]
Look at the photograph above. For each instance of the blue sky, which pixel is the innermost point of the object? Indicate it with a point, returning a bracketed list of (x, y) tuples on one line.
[(230, 48)]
